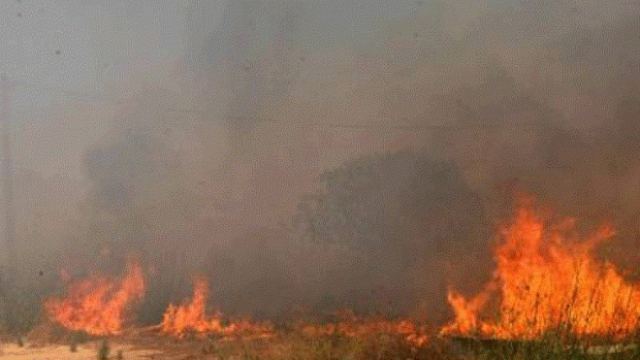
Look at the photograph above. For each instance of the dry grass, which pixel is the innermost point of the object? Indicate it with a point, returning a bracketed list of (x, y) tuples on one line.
[(298, 346)]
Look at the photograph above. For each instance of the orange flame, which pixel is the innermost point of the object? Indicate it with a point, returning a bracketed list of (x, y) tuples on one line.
[(97, 305), (547, 279), (191, 317)]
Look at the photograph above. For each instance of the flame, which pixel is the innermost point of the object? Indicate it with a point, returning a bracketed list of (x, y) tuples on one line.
[(98, 305), (547, 279), (179, 320), (355, 327)]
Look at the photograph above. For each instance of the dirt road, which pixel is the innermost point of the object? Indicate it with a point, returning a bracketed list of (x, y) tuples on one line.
[(86, 351)]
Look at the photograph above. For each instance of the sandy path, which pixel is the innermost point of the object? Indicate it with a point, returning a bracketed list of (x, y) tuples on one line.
[(84, 352)]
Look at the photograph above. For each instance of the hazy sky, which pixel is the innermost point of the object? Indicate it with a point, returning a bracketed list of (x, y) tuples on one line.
[(195, 125), (64, 55)]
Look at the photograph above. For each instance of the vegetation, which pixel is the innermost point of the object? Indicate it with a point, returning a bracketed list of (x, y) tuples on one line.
[(103, 350), (392, 218), (295, 346)]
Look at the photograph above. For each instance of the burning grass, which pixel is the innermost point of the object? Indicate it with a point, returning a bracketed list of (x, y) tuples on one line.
[(550, 297), (98, 305), (191, 318), (299, 345), (351, 326), (548, 281)]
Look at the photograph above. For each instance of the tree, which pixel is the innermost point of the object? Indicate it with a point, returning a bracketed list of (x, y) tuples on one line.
[(405, 220)]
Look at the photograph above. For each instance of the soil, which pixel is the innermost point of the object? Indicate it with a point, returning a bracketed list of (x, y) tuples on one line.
[(11, 351)]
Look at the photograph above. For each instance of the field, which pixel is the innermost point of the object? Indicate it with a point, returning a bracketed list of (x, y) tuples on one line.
[(295, 345), (550, 298)]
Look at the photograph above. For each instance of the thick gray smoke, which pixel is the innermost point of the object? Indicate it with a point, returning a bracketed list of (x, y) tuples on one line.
[(308, 156)]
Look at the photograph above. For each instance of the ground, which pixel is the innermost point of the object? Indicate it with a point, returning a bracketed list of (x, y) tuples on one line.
[(11, 351), (295, 346)]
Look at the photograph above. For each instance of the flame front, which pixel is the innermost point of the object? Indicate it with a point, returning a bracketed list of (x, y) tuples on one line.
[(98, 305), (547, 279), (355, 327), (179, 320)]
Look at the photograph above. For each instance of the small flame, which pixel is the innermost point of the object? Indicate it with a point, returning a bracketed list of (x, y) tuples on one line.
[(547, 279), (98, 305), (179, 320), (355, 327)]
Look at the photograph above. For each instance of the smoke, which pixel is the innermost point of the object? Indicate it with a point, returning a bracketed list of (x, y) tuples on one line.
[(392, 128)]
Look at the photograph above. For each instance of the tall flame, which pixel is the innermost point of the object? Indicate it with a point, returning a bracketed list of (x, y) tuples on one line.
[(98, 305), (178, 320), (191, 315), (547, 279)]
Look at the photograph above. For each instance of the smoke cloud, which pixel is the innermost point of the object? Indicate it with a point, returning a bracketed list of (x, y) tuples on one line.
[(308, 156)]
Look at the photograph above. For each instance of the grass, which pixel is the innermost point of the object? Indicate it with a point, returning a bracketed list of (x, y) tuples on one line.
[(297, 345), (386, 347), (103, 350), (288, 343)]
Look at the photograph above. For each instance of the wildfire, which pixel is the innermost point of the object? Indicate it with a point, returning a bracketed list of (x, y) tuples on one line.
[(352, 326), (179, 320), (98, 305), (547, 279)]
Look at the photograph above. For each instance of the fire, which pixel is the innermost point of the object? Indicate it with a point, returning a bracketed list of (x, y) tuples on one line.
[(98, 305), (352, 326), (179, 320), (547, 279)]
